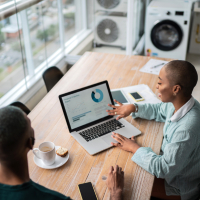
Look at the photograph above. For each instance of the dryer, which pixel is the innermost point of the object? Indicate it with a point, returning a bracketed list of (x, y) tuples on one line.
[(167, 29)]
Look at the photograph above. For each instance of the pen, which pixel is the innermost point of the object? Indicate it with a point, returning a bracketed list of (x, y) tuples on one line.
[(157, 65)]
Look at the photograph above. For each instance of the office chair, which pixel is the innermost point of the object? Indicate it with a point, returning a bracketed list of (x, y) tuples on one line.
[(51, 76), (21, 106)]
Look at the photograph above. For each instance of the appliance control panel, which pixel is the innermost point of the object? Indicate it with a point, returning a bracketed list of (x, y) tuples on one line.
[(180, 13)]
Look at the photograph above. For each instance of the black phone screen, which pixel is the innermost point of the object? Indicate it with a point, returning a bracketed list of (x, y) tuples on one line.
[(136, 95), (87, 191), (118, 96)]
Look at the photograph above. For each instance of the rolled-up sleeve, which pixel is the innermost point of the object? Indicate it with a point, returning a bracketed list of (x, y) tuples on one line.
[(152, 111), (171, 162)]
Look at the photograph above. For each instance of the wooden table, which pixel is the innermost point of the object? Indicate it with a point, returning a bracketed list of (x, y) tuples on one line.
[(49, 124)]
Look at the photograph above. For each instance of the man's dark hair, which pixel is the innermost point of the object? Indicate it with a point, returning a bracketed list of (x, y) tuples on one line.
[(182, 73), (13, 126)]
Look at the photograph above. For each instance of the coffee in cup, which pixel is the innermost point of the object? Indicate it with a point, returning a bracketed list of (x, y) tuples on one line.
[(46, 149)]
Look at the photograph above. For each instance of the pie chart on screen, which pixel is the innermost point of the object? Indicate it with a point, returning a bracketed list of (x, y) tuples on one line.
[(97, 95)]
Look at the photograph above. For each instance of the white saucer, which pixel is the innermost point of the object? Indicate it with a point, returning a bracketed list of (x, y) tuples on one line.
[(59, 161)]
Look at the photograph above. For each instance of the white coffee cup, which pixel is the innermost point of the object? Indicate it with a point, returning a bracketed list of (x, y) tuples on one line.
[(46, 152)]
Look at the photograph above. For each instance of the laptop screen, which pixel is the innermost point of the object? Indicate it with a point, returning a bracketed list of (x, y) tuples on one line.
[(86, 105)]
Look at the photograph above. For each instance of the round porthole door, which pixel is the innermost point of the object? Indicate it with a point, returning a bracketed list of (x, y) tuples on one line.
[(166, 35)]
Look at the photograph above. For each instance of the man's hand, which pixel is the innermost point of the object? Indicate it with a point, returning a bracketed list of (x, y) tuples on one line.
[(115, 182), (125, 143), (121, 110)]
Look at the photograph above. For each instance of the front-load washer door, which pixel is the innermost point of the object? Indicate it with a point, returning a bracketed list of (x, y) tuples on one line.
[(166, 35)]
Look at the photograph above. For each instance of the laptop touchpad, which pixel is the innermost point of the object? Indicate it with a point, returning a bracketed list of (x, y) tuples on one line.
[(108, 139)]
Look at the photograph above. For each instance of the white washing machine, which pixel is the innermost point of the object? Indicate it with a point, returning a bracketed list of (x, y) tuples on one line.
[(167, 29)]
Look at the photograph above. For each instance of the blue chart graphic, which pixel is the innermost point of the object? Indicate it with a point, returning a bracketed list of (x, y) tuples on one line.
[(94, 98)]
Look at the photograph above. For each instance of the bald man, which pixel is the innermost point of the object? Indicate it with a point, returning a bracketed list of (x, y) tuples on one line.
[(16, 140)]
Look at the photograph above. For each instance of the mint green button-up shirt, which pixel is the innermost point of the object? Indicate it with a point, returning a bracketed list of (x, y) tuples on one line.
[(179, 162)]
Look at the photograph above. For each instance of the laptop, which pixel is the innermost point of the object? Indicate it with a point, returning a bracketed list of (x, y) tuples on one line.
[(87, 120)]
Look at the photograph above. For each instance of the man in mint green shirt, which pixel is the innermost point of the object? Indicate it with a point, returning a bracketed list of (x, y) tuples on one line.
[(16, 139)]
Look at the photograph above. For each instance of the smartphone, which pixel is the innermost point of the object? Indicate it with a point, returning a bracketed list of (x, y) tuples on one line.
[(87, 191), (136, 96), (119, 96)]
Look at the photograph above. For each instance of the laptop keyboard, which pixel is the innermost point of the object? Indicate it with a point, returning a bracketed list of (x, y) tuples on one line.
[(100, 130)]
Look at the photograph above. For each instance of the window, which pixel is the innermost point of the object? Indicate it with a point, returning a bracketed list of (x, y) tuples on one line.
[(49, 17), (32, 39), (13, 63), (69, 19), (43, 26), (35, 25)]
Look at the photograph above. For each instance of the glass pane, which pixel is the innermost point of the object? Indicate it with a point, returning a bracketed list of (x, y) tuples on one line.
[(36, 29), (11, 57), (5, 1), (44, 30), (6, 4), (90, 14), (51, 26), (72, 12)]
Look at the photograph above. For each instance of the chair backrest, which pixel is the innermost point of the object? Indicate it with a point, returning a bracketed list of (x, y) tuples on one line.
[(51, 76), (21, 106)]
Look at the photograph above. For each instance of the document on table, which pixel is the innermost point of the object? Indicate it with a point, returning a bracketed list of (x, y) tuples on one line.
[(144, 90), (153, 66)]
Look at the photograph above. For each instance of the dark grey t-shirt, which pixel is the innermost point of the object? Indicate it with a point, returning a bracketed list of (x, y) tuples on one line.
[(29, 191)]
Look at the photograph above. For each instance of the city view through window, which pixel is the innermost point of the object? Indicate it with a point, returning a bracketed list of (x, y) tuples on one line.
[(39, 25)]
